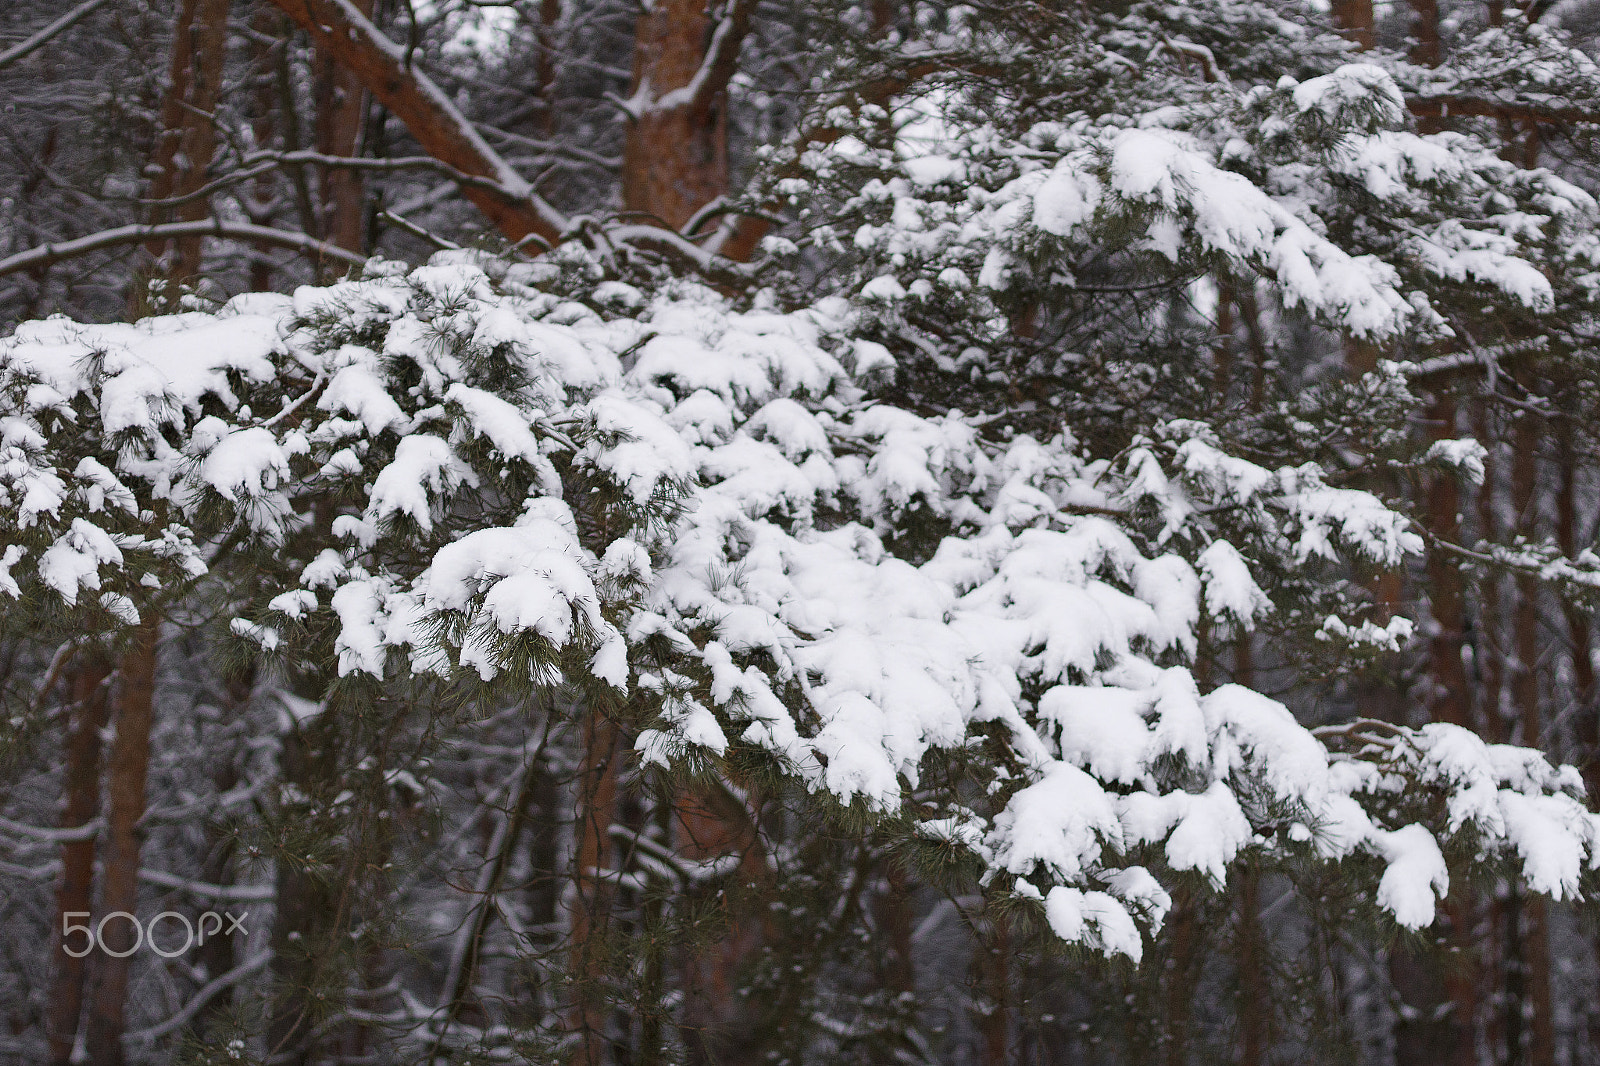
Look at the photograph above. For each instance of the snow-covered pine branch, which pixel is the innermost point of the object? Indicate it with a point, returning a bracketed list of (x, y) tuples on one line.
[(694, 508)]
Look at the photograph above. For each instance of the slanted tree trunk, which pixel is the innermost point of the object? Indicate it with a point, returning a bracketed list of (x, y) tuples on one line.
[(126, 770), (188, 137), (487, 180), (87, 707)]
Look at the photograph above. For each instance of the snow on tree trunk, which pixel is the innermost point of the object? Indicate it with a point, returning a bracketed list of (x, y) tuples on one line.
[(675, 156)]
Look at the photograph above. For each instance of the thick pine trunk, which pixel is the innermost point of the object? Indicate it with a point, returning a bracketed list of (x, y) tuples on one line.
[(188, 137), (127, 769), (675, 157), (1354, 19), (75, 894)]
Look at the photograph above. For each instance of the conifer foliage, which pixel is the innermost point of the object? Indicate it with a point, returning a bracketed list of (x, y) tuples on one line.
[(631, 631)]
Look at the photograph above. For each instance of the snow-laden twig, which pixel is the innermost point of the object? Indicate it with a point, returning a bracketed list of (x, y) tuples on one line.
[(198, 1001), (50, 32), (46, 254), (87, 831)]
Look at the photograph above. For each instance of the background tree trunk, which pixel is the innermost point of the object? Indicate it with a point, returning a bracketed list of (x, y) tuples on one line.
[(188, 137), (595, 812), (1535, 931), (87, 705), (127, 769), (341, 108)]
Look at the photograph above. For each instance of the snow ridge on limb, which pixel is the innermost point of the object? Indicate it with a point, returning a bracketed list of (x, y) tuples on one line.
[(697, 507)]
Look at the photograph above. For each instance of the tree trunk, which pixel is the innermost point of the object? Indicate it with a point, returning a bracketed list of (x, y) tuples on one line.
[(188, 137), (713, 822), (1580, 636), (1451, 702), (341, 106), (1252, 947), (217, 955), (596, 811), (675, 157), (1183, 966), (305, 907), (127, 769), (991, 965), (75, 894), (1255, 1003), (505, 198), (267, 57), (1354, 18), (544, 64), (1525, 690)]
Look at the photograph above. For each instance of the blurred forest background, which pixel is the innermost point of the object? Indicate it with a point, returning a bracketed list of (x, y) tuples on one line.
[(158, 155)]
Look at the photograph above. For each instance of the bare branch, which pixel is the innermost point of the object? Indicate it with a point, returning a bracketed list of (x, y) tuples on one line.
[(239, 231), (44, 36), (87, 831), (206, 994), (432, 238), (258, 163), (230, 893)]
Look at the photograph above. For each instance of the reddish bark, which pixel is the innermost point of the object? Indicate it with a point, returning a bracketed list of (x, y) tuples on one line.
[(127, 767), (341, 108), (675, 159), (188, 137), (1182, 974), (75, 894), (339, 28), (1354, 18), (713, 822), (544, 63)]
